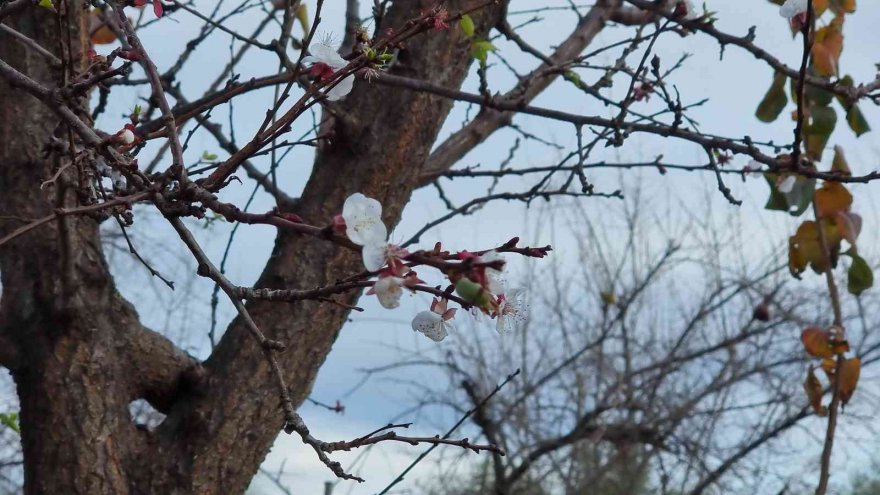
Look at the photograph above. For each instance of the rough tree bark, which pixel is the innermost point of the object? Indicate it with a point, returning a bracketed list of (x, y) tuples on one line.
[(77, 352)]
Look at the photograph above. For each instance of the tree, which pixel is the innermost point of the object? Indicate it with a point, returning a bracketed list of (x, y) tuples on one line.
[(656, 387), (77, 350)]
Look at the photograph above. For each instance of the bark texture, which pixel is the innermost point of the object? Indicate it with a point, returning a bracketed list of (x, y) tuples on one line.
[(78, 354)]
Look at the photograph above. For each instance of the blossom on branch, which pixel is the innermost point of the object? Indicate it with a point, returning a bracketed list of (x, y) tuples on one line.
[(435, 324), (363, 220), (793, 8), (512, 311), (388, 290), (686, 10), (325, 62), (390, 285)]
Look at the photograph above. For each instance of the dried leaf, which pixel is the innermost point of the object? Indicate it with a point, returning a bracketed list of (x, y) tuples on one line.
[(813, 388), (829, 366), (849, 378), (817, 342), (827, 48), (832, 198), (804, 247), (843, 6), (849, 225)]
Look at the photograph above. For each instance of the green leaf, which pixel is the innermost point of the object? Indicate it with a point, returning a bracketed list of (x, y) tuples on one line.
[(10, 420), (854, 116), (795, 202), (47, 4), (467, 25), (209, 157), (480, 50), (774, 101), (859, 277), (818, 131), (817, 95), (857, 121)]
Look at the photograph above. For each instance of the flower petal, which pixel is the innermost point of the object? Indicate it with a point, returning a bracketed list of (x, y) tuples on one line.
[(327, 54), (388, 291), (363, 220), (374, 255), (341, 90), (431, 324), (792, 8)]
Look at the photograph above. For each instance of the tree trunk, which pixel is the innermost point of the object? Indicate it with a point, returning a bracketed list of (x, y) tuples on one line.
[(77, 352)]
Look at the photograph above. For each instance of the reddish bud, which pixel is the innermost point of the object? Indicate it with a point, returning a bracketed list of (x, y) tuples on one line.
[(291, 217), (130, 55), (339, 225)]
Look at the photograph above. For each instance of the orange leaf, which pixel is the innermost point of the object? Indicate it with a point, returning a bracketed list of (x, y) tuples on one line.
[(829, 366), (103, 36), (831, 198), (814, 391), (849, 378), (817, 342), (847, 6), (827, 47), (100, 32)]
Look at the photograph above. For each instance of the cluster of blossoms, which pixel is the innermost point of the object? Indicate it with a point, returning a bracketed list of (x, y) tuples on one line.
[(477, 278)]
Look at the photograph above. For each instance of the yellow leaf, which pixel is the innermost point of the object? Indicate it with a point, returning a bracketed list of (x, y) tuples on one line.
[(849, 378), (814, 391), (832, 198), (804, 247), (839, 163)]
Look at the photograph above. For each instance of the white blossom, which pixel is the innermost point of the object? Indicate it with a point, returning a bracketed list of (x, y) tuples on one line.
[(363, 221), (691, 12), (388, 290), (323, 53), (792, 8), (432, 325), (512, 311)]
